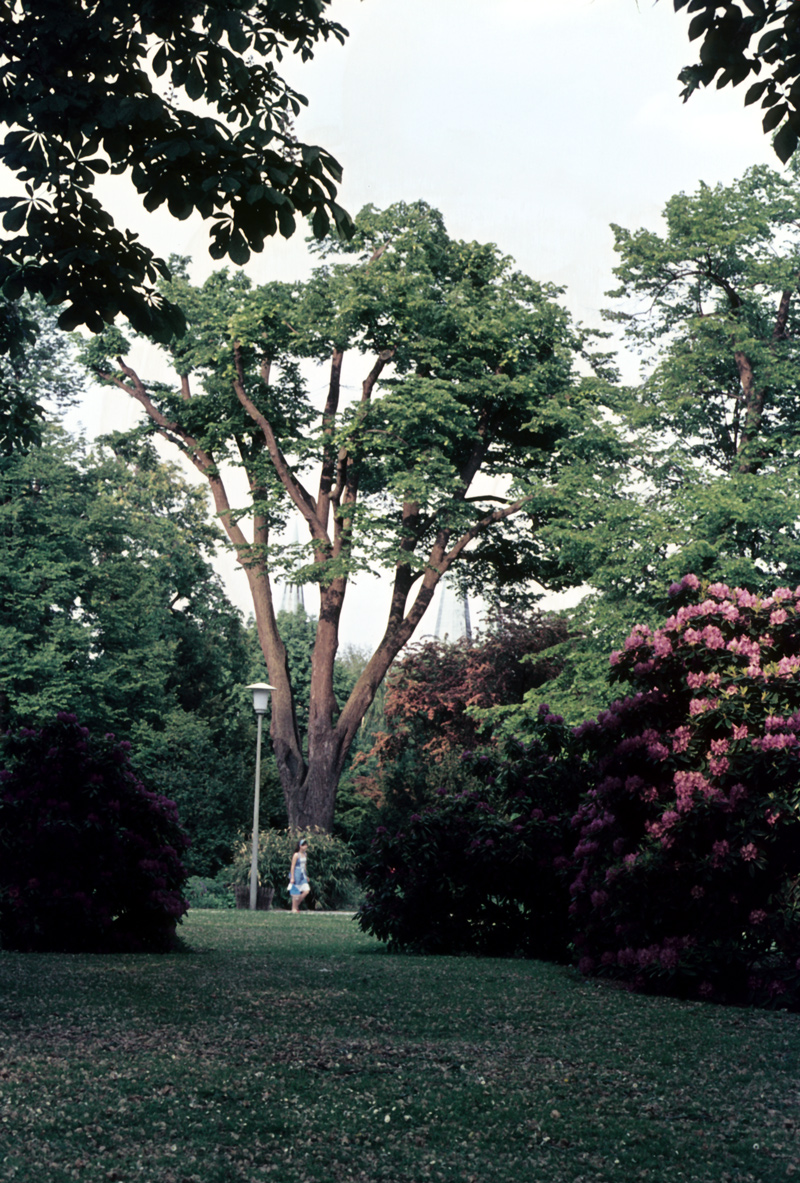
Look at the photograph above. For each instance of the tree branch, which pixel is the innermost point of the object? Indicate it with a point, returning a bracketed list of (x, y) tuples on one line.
[(297, 492)]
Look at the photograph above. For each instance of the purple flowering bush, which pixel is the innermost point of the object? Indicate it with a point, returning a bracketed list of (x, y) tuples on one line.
[(484, 870), (90, 860), (686, 875)]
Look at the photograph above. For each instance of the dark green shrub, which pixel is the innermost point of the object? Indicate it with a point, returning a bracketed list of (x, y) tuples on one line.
[(687, 872), (90, 860), (214, 894), (483, 871), (331, 866)]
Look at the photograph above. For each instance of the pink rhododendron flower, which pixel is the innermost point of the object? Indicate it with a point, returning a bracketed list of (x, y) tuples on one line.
[(680, 739), (713, 637), (758, 916), (719, 746), (668, 958), (662, 646), (686, 785), (744, 645), (740, 731), (720, 590), (718, 765), (776, 741), (778, 616), (695, 680), (698, 705), (719, 851), (615, 656), (640, 634), (749, 852)]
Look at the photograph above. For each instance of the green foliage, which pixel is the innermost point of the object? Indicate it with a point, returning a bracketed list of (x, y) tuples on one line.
[(38, 372), (757, 41), (210, 895), (471, 385), (482, 870), (109, 606), (90, 860), (298, 631), (127, 105), (687, 869), (712, 301), (330, 869), (439, 692)]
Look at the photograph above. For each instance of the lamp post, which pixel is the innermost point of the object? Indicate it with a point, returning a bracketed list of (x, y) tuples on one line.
[(260, 702)]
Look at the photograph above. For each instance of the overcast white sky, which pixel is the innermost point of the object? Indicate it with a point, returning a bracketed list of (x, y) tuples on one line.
[(529, 123)]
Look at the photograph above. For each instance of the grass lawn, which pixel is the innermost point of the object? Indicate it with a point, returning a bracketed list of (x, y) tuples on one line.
[(294, 1048)]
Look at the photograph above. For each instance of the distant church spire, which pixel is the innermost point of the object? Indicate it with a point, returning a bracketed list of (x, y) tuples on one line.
[(293, 597), (452, 616)]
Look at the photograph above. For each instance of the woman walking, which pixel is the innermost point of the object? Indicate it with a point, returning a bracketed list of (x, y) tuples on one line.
[(299, 887)]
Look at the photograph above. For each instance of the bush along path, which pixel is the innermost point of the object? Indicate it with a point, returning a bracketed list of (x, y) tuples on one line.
[(294, 1047)]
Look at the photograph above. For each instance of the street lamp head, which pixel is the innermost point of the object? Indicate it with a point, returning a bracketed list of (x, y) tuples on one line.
[(260, 696)]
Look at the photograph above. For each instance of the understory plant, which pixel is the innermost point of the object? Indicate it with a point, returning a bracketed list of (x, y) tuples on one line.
[(90, 860), (212, 893), (483, 870), (687, 870), (330, 869)]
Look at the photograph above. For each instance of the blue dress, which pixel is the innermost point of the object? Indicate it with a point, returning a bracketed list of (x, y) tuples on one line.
[(300, 878)]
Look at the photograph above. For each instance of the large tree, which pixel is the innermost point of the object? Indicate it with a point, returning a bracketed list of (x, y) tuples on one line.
[(710, 302), (109, 608), (184, 99), (470, 436)]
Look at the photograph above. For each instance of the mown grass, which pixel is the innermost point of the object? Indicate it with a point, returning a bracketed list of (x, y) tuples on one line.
[(293, 1047)]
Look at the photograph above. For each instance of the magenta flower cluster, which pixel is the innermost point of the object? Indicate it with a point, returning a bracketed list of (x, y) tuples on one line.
[(689, 840)]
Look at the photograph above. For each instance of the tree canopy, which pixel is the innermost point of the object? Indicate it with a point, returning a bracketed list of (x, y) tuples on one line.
[(471, 438), (709, 301), (109, 608), (184, 99), (758, 39)]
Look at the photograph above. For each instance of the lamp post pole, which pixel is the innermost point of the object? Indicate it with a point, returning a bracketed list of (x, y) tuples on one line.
[(260, 700)]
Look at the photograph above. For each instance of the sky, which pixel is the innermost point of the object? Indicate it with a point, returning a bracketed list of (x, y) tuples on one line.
[(533, 124)]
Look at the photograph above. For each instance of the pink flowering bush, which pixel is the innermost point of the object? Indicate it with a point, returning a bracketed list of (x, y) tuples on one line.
[(90, 860), (687, 868)]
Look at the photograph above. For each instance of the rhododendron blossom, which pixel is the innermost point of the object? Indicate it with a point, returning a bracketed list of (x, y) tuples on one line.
[(699, 768)]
